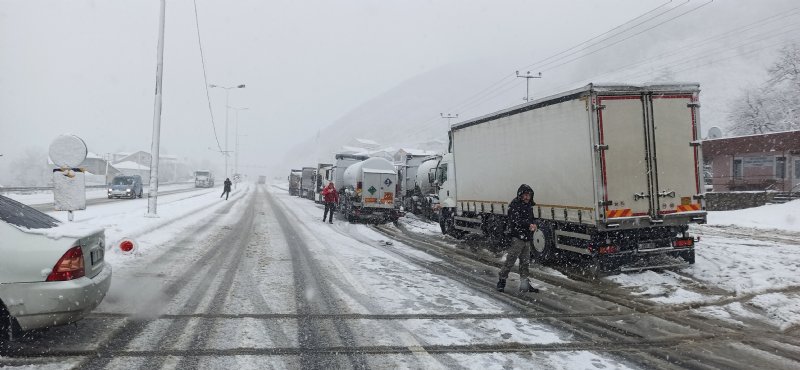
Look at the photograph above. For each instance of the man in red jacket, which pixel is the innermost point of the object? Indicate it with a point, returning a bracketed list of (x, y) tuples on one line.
[(331, 197)]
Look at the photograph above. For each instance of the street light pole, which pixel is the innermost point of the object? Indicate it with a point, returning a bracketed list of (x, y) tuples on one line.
[(236, 145), (227, 91), (152, 194)]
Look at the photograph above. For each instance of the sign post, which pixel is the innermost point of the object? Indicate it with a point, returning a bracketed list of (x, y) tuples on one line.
[(69, 182)]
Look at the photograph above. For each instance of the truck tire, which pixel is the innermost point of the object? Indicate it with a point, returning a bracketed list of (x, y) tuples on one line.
[(543, 245)]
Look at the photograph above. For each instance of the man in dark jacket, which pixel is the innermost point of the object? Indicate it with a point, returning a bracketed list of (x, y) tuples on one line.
[(226, 189), (520, 226), (331, 197)]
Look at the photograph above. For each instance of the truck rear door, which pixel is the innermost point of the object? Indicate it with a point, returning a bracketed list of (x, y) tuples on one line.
[(623, 156), (675, 157), (378, 189), (648, 162)]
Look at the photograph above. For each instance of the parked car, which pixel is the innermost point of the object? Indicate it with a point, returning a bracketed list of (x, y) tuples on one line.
[(125, 186), (48, 276)]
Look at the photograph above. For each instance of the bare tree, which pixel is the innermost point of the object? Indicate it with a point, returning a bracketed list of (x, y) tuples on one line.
[(775, 106)]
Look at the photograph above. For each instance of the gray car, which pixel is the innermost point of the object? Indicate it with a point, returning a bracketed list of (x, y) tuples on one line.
[(125, 186)]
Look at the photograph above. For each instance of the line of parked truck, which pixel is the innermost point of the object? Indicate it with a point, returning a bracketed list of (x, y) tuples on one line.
[(616, 171)]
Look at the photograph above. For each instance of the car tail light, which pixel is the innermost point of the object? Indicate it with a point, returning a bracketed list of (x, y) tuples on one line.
[(683, 243), (69, 267)]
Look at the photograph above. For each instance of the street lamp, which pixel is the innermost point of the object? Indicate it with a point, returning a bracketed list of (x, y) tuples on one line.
[(227, 91), (236, 147)]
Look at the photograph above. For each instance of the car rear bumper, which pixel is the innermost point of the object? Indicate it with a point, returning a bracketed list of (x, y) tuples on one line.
[(45, 304), (119, 193)]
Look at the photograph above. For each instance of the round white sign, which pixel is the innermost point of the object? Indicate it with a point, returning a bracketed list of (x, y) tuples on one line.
[(68, 151)]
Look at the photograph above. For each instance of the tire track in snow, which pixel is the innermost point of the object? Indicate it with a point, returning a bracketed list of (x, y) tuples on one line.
[(312, 295)]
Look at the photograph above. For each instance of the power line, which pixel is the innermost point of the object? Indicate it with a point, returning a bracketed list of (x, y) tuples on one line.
[(205, 77)]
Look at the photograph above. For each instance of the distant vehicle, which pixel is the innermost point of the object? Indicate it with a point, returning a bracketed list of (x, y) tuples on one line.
[(262, 179), (307, 182), (125, 186), (294, 181), (203, 179), (47, 281), (370, 187)]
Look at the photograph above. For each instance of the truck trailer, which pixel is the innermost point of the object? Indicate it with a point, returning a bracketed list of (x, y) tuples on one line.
[(615, 170), (344, 160), (307, 183), (369, 191), (294, 181)]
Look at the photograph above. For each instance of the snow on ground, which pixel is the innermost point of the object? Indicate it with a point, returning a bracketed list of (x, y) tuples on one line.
[(46, 196), (747, 267), (750, 255), (372, 276), (774, 216)]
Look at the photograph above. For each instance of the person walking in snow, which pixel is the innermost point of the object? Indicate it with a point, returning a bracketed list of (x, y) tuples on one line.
[(331, 197), (520, 226), (226, 189)]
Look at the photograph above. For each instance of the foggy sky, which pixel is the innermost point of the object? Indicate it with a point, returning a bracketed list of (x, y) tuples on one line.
[(88, 67)]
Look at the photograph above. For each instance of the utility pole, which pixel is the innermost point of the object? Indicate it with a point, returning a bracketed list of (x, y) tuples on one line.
[(527, 78), (449, 116), (152, 194), (227, 91)]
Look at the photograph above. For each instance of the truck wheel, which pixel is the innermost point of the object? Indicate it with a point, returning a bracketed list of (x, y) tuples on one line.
[(543, 245)]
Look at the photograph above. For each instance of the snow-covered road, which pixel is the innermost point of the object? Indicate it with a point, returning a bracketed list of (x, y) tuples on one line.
[(259, 281)]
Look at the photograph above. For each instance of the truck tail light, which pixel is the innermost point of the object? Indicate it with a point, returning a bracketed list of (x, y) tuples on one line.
[(683, 243), (607, 249), (69, 266)]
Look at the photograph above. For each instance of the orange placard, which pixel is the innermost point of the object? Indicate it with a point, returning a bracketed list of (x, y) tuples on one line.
[(370, 200)]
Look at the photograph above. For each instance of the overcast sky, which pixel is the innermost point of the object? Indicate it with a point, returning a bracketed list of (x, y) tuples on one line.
[(88, 67)]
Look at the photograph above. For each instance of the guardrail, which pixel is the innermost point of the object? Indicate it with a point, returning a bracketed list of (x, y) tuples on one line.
[(45, 188)]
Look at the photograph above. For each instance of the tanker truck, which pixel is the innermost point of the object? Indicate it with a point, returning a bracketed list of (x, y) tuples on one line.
[(307, 183), (369, 191), (616, 171), (425, 199)]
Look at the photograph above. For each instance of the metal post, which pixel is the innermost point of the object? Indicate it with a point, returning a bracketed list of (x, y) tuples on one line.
[(152, 195), (227, 91)]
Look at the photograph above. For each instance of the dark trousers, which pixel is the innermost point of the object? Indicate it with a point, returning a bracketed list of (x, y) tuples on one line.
[(328, 207), (519, 249), (225, 192)]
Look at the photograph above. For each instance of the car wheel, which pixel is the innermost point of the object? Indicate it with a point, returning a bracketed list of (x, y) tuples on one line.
[(109, 197)]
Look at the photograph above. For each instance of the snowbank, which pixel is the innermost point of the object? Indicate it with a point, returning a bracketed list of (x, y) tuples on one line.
[(774, 216)]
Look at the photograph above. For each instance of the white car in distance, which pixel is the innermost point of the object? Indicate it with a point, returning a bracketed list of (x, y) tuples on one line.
[(50, 274)]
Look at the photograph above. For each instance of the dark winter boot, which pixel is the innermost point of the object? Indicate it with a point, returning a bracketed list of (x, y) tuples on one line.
[(525, 287), (501, 285)]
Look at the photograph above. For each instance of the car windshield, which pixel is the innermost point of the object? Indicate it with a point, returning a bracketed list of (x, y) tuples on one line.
[(201, 173), (123, 181), (19, 214)]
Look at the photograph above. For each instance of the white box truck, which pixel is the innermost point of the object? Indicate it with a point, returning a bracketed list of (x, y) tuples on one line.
[(616, 171)]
